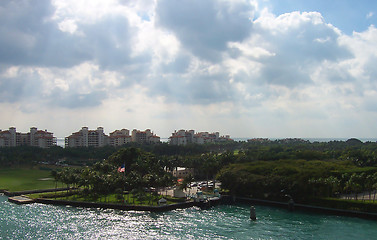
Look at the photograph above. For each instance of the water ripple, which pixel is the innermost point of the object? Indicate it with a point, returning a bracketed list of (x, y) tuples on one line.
[(38, 221)]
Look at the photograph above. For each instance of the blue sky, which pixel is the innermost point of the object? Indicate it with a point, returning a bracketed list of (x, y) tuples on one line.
[(248, 68), (346, 15)]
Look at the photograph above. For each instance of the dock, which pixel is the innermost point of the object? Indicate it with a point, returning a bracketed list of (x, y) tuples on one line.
[(22, 199)]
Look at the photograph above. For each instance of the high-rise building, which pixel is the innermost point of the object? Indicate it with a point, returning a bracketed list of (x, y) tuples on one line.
[(183, 137), (35, 138), (87, 138), (97, 138), (119, 137), (144, 136)]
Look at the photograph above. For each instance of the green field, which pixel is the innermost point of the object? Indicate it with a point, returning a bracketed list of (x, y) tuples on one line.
[(19, 179)]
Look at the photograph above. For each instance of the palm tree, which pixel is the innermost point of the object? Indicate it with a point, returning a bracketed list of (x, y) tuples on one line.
[(57, 177), (54, 174), (187, 183), (353, 185), (84, 178), (333, 185), (374, 185), (65, 177), (343, 180), (167, 180), (368, 183), (210, 165)]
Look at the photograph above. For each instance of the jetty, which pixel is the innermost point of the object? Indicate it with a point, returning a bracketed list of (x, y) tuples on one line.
[(22, 199)]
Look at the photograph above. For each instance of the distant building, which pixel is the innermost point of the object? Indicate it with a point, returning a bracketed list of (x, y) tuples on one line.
[(87, 138), (144, 136), (119, 137), (35, 138), (183, 137), (178, 140), (181, 172), (97, 138), (9, 137), (42, 139)]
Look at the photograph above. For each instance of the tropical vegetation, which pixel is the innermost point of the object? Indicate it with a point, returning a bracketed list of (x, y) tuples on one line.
[(306, 171)]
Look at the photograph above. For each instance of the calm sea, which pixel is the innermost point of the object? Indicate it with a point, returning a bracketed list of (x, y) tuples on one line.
[(37, 221)]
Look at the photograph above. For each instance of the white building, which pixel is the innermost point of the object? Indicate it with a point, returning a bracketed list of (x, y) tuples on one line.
[(87, 138), (97, 138), (40, 138), (8, 138), (182, 172), (35, 138), (183, 137), (146, 136), (178, 140), (119, 137)]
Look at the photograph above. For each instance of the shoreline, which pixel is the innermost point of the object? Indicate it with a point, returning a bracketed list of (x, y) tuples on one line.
[(20, 198), (304, 207), (225, 199), (160, 208)]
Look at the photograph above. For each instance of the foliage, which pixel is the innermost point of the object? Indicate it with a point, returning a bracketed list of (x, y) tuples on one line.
[(361, 154), (265, 169), (299, 178), (142, 171)]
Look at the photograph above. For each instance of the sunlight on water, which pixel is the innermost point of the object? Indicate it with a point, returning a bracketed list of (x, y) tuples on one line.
[(37, 221)]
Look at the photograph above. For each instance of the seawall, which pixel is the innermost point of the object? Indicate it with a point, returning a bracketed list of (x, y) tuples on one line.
[(300, 207), (225, 199), (160, 208)]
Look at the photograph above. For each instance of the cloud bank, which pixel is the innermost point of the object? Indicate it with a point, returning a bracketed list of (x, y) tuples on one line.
[(228, 66)]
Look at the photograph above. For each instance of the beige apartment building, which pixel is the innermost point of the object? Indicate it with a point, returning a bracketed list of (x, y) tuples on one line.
[(183, 137), (34, 138), (87, 138), (97, 138), (146, 136), (119, 137)]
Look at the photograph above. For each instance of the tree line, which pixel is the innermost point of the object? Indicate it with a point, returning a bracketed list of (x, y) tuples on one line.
[(263, 169), (302, 179)]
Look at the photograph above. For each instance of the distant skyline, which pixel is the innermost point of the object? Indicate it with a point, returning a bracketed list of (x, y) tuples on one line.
[(257, 68)]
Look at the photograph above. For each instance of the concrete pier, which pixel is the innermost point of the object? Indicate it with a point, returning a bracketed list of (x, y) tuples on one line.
[(21, 199)]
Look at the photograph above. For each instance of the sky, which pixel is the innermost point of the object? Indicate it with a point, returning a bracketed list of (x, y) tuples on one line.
[(247, 68)]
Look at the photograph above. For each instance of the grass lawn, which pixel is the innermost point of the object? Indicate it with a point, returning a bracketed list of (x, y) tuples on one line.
[(19, 179), (130, 199)]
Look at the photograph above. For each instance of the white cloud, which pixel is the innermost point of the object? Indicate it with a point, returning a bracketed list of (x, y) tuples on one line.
[(68, 25), (155, 64), (86, 11)]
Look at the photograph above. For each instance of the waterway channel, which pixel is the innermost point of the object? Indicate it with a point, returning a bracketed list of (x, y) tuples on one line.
[(38, 221)]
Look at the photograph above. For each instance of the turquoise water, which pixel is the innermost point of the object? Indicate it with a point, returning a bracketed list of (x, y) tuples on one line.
[(37, 221)]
